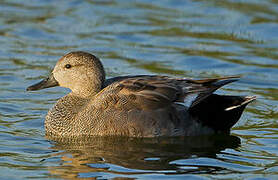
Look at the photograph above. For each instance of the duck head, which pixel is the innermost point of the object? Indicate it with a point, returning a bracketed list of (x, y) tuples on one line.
[(79, 71)]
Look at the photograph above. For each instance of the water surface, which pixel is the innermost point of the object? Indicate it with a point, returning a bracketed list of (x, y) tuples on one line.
[(194, 38)]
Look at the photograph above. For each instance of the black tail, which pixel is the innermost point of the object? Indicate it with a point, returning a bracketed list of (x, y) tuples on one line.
[(220, 112)]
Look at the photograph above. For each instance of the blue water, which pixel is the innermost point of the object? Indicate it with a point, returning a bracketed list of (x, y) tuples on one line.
[(194, 38)]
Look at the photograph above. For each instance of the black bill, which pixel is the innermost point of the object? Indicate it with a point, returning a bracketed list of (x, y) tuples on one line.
[(46, 83)]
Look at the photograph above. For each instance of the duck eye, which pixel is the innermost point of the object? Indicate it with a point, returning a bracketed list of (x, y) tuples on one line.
[(67, 66)]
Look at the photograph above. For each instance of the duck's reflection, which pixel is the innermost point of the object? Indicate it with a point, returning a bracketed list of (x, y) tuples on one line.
[(127, 156)]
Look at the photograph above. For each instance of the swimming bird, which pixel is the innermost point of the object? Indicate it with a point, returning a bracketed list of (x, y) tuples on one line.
[(136, 106)]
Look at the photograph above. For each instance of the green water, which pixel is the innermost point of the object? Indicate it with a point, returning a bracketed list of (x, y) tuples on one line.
[(194, 38)]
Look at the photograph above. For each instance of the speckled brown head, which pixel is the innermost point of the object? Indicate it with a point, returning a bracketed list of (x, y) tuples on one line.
[(79, 71)]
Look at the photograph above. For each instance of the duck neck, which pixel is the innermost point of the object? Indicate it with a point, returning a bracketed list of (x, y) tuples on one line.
[(87, 91), (91, 83)]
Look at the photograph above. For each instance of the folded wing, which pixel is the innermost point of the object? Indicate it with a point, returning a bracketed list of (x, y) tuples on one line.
[(154, 92)]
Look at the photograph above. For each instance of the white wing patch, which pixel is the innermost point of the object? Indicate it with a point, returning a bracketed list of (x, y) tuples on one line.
[(188, 100)]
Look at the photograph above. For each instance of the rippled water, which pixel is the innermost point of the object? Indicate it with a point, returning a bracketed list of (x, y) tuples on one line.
[(194, 38)]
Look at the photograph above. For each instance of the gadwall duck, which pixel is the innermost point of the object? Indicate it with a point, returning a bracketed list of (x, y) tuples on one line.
[(136, 106)]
